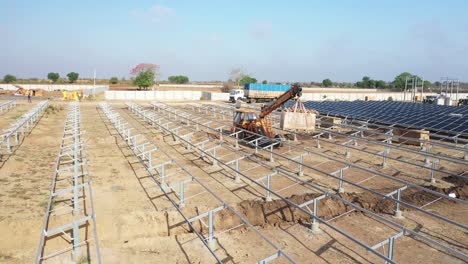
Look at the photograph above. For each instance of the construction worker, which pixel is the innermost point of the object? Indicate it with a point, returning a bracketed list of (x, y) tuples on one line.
[(29, 96)]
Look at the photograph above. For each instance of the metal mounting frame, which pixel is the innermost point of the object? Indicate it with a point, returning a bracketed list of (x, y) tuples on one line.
[(166, 108), (70, 183)]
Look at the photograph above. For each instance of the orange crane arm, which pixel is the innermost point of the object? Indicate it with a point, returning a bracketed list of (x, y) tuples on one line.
[(289, 94)]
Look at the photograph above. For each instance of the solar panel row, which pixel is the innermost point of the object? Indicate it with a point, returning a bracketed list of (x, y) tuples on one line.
[(414, 115)]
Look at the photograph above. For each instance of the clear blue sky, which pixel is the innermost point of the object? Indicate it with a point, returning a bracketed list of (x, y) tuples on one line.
[(273, 40)]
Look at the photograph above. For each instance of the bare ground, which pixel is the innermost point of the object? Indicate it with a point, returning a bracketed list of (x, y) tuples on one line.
[(136, 224)]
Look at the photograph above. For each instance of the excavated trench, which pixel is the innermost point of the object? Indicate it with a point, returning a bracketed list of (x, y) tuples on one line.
[(261, 213)]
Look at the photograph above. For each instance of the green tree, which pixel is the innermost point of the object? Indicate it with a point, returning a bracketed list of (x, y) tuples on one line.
[(114, 80), (247, 79), (53, 76), (144, 80), (327, 83), (400, 80), (9, 78), (365, 83), (73, 76), (368, 82), (180, 79), (380, 84), (264, 82), (427, 84)]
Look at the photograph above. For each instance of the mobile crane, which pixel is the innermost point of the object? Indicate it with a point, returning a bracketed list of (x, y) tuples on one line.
[(250, 126)]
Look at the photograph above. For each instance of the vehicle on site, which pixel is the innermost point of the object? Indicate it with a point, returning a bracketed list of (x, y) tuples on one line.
[(250, 125), (236, 95), (430, 99), (463, 102), (256, 92)]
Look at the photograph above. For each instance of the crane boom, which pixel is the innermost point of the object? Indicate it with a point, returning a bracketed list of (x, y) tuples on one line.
[(295, 90)]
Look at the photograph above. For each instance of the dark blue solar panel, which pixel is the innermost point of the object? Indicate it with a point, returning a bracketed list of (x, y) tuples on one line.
[(422, 116)]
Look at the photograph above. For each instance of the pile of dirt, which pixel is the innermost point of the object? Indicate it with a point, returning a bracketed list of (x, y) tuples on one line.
[(460, 189), (274, 213)]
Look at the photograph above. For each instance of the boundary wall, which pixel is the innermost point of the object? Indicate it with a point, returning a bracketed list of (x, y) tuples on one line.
[(213, 96)]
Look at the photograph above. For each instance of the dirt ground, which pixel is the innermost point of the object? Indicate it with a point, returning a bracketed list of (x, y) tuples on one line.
[(137, 224)]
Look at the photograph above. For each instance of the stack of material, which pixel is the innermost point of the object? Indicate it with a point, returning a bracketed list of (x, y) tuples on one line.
[(407, 135), (22, 91), (297, 117), (330, 122)]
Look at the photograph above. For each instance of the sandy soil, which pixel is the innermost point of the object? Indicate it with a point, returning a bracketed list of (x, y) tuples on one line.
[(137, 224)]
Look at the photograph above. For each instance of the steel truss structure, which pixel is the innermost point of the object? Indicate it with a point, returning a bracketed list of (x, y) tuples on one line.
[(447, 85), (447, 123), (425, 158), (173, 121), (20, 128), (174, 181), (364, 130), (70, 219), (398, 212), (373, 128), (6, 106)]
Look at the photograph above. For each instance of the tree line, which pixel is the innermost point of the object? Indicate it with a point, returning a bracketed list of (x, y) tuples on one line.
[(399, 82), (53, 76), (145, 77)]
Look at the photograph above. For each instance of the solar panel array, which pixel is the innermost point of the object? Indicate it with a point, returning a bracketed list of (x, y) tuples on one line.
[(448, 119)]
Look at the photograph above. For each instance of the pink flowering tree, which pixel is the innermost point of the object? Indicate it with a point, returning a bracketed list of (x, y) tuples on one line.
[(145, 75)]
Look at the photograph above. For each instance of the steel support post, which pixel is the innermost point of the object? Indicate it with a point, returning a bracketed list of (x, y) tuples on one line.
[(268, 194), (163, 176), (181, 194), (300, 172), (214, 162), (341, 186), (348, 153), (426, 149), (221, 133), (433, 172), (211, 241), (398, 213), (391, 245), (384, 157), (268, 190), (315, 226), (271, 154)]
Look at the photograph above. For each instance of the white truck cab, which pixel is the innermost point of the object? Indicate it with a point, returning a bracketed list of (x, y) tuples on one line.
[(235, 95)]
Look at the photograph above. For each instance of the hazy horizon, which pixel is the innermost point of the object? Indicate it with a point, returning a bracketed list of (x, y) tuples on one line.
[(276, 41)]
